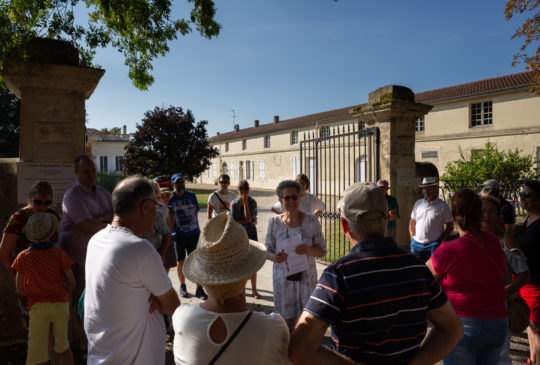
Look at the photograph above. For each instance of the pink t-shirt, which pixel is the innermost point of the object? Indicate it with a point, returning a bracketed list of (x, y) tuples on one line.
[(470, 279)]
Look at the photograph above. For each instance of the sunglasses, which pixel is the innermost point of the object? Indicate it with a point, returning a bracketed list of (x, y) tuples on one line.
[(41, 202), (224, 182), (290, 197), (524, 194)]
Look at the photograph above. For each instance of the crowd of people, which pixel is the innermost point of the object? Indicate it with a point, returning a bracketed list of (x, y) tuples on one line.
[(104, 266)]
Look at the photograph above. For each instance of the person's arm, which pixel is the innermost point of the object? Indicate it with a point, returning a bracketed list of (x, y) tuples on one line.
[(429, 265), (447, 231), (70, 279), (91, 225), (8, 243), (509, 228), (19, 283), (210, 208), (520, 278), (166, 303), (447, 331), (305, 346), (412, 227), (392, 215)]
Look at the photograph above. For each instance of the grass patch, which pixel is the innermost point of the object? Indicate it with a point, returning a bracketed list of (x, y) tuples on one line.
[(337, 244), (202, 196)]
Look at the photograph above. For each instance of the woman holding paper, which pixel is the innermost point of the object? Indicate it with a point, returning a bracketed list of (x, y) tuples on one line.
[(292, 237)]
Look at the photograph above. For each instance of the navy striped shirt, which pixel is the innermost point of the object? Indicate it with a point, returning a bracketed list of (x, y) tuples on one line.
[(375, 299)]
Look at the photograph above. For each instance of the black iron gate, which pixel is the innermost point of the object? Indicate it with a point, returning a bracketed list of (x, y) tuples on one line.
[(339, 157)]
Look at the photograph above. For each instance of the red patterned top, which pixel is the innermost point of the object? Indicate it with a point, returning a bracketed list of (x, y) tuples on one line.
[(16, 225), (43, 272)]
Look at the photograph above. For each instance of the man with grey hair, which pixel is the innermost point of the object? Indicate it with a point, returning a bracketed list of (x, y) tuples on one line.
[(377, 299), (127, 288)]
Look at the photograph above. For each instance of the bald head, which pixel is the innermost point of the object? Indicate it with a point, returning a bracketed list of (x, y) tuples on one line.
[(130, 193)]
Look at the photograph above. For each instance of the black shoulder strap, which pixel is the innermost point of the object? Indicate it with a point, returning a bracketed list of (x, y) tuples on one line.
[(222, 202), (224, 347)]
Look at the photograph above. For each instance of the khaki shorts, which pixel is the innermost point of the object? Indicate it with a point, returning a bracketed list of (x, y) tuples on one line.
[(42, 315)]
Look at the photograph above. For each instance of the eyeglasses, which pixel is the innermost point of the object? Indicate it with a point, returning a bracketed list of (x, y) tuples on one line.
[(290, 197), (224, 182), (524, 194), (153, 201), (41, 202)]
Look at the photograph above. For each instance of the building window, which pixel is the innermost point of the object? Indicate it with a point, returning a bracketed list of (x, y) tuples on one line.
[(224, 168), (266, 141), (419, 125), (482, 113), (103, 164), (538, 156), (294, 137), (244, 144), (324, 131), (362, 126), (214, 165), (295, 167), (262, 174), (226, 146), (120, 163)]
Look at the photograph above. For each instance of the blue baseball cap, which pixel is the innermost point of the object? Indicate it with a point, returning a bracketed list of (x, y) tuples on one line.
[(176, 176)]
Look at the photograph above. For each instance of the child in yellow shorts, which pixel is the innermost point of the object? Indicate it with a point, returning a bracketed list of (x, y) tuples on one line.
[(42, 270)]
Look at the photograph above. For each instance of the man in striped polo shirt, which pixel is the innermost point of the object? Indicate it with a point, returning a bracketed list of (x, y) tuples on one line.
[(377, 299)]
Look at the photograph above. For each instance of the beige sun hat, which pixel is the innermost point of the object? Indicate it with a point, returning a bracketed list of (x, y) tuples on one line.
[(41, 227), (224, 254)]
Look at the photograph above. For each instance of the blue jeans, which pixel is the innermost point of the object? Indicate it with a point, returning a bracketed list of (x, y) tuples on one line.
[(423, 251), (481, 344)]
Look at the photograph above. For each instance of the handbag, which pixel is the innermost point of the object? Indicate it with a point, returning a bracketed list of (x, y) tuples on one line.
[(230, 340), (518, 314)]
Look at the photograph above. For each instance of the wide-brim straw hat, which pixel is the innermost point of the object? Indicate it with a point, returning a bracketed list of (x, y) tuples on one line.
[(224, 254), (41, 227)]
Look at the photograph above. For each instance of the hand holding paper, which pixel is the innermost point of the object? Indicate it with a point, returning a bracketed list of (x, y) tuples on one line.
[(295, 262)]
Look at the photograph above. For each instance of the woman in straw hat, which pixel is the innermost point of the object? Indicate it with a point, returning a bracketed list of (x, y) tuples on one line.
[(223, 261), (292, 292)]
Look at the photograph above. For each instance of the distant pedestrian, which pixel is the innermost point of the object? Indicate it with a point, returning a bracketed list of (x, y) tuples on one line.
[(42, 271), (393, 209), (431, 220), (220, 200), (244, 211), (186, 229)]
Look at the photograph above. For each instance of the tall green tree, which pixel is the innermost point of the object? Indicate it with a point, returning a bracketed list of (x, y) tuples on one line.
[(140, 29), (9, 124), (530, 32), (490, 163), (169, 141)]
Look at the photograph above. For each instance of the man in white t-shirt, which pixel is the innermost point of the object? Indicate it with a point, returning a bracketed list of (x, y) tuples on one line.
[(127, 288), (220, 200), (431, 220)]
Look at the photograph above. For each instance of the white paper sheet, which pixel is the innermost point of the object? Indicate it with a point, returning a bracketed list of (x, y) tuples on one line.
[(294, 263)]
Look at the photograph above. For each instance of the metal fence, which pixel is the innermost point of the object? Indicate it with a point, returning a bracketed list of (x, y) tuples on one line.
[(337, 158), (509, 190)]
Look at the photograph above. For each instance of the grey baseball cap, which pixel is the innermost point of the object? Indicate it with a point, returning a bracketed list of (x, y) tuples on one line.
[(360, 198)]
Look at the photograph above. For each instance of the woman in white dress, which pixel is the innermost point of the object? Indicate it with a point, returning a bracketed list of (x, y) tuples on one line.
[(292, 292)]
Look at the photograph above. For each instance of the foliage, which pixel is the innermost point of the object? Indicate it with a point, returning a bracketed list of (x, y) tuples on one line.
[(9, 124), (530, 30), (108, 180), (490, 163), (140, 29), (169, 141), (113, 130)]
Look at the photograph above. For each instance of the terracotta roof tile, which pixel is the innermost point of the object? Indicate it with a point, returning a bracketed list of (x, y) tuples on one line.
[(522, 79)]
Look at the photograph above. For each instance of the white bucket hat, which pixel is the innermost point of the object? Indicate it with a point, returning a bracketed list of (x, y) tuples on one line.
[(224, 254), (41, 227)]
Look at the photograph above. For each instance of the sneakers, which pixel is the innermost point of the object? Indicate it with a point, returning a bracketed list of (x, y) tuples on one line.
[(183, 291), (199, 293)]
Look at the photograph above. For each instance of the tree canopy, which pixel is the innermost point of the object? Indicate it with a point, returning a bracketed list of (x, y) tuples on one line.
[(113, 130), (490, 163), (140, 29), (9, 124), (169, 141), (530, 30)]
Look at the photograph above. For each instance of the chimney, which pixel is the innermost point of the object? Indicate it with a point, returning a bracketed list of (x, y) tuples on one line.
[(236, 127), (256, 123), (218, 133), (276, 119), (124, 128)]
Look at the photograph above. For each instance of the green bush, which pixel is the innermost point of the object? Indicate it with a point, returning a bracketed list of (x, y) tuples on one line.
[(108, 180)]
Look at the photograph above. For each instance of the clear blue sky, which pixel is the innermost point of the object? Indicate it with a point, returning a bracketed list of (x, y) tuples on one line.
[(296, 57)]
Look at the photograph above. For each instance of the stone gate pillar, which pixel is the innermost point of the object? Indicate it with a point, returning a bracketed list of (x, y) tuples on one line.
[(392, 109), (52, 89)]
